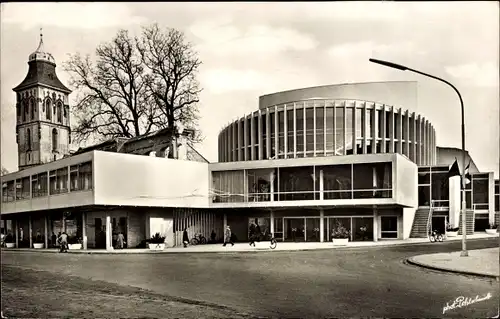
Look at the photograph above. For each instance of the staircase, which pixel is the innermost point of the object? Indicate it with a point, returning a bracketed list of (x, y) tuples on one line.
[(469, 223), (420, 222)]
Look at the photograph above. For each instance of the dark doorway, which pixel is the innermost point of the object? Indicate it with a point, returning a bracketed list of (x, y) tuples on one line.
[(439, 224)]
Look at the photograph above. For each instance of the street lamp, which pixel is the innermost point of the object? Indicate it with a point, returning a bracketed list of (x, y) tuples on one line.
[(464, 252)]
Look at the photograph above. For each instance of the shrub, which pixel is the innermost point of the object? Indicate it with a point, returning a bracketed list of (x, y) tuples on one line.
[(339, 231), (157, 239)]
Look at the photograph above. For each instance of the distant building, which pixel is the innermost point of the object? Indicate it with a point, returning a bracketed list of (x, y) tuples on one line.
[(306, 160)]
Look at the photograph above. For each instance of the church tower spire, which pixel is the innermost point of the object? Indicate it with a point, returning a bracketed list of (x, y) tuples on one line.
[(42, 105)]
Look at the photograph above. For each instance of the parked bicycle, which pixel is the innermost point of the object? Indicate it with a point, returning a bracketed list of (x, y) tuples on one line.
[(198, 239), (435, 236)]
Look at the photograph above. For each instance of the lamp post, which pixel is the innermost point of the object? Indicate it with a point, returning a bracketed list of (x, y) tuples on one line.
[(464, 252)]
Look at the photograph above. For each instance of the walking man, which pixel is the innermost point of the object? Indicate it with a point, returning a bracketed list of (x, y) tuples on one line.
[(227, 237), (252, 234), (185, 238)]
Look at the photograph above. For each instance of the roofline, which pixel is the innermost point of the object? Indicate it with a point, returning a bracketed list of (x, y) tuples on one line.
[(20, 88)]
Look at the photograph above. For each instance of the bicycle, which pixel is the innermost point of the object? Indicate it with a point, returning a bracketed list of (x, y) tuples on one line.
[(198, 239), (435, 236)]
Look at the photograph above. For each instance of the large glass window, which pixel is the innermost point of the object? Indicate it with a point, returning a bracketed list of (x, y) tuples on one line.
[(289, 120), (372, 180), (300, 130), (359, 123), (362, 228), (81, 176), (320, 133), (25, 188), (296, 183), (39, 185), (380, 126), (480, 194), (349, 126), (264, 136), (9, 191), (228, 186), (59, 181), (336, 181), (310, 129), (259, 184), (273, 136), (440, 189), (424, 195)]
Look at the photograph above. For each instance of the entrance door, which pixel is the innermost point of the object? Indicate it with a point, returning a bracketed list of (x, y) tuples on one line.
[(294, 229), (438, 224), (312, 229), (389, 226)]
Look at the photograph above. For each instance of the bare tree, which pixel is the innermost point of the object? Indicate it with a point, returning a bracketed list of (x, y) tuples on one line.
[(114, 100), (173, 67)]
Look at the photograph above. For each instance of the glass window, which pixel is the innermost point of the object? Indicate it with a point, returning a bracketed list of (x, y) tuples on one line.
[(349, 125), (379, 123), (310, 129), (320, 125), (80, 176), (396, 126), (281, 134), (264, 136), (388, 125), (372, 180), (259, 184), (300, 130), (48, 110), (228, 186), (58, 181), (480, 191), (289, 120), (389, 226), (339, 130), (24, 190), (9, 191), (424, 196), (368, 123), (249, 131), (55, 139), (440, 189), (336, 181), (272, 126), (296, 183), (39, 185), (362, 228), (329, 128), (32, 108), (359, 123), (424, 178), (405, 127)]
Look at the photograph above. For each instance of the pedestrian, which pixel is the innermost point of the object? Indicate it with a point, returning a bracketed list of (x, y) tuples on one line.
[(53, 240), (63, 242), (252, 234), (227, 237), (120, 241), (257, 232), (185, 238), (212, 236)]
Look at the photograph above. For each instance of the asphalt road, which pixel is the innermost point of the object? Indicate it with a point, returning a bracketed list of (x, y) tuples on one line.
[(360, 282)]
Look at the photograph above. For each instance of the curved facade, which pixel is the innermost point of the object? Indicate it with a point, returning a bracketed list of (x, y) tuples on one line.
[(328, 126)]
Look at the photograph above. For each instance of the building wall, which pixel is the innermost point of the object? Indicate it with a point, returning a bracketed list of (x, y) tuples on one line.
[(399, 93), (333, 128), (447, 155), (149, 181)]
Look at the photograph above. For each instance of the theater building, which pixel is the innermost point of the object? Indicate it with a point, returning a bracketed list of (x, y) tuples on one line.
[(358, 154)]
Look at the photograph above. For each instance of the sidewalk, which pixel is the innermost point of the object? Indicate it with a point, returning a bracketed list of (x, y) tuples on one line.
[(480, 262), (260, 247)]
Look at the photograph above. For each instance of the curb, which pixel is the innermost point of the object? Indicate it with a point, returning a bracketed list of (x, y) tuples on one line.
[(264, 250), (411, 261)]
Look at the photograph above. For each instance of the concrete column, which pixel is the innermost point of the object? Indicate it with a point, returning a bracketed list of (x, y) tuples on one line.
[(305, 129), (294, 130), (46, 228), (344, 131), (225, 224), (238, 142), (268, 134), (354, 129), (30, 232), (491, 198), (84, 229), (374, 122), (334, 129), (272, 223), (16, 222), (252, 136), (364, 133), (391, 130), (108, 233), (384, 129), (314, 130), (260, 155), (375, 224), (324, 128), (285, 132), (321, 224)]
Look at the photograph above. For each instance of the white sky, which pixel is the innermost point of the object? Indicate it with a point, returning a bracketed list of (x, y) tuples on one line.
[(251, 49)]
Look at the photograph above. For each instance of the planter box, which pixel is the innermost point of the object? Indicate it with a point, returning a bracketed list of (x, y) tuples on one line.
[(491, 231), (10, 245), (340, 241), (156, 246), (451, 233), (74, 246), (38, 246)]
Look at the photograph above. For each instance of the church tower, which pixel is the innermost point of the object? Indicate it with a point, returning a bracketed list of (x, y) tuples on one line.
[(42, 112)]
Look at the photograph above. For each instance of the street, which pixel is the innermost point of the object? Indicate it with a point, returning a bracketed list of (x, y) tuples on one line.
[(357, 282)]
